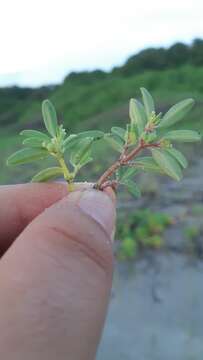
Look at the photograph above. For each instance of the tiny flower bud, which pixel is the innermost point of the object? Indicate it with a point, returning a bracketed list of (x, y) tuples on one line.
[(165, 143)]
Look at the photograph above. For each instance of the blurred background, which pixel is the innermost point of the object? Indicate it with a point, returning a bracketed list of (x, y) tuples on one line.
[(89, 58)]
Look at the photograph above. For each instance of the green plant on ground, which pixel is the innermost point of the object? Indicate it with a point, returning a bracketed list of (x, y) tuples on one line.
[(146, 130), (143, 229), (192, 232), (128, 249)]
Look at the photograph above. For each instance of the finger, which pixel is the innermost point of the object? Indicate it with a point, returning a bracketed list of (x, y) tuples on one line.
[(20, 204), (55, 281)]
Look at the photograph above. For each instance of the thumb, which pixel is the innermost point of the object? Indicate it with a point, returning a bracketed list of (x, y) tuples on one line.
[(55, 281)]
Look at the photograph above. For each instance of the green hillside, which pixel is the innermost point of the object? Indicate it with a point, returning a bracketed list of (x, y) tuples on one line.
[(98, 99), (78, 103)]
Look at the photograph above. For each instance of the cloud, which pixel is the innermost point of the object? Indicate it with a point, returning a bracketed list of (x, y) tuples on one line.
[(41, 41)]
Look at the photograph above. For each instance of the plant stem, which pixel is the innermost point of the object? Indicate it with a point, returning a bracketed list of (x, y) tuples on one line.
[(123, 159), (66, 173), (136, 151), (107, 174)]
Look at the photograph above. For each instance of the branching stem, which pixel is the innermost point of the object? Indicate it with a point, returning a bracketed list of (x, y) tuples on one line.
[(123, 159)]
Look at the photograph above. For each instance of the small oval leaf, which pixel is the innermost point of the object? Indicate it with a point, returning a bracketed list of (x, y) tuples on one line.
[(86, 159), (132, 134), (176, 113), (115, 142), (137, 115), (118, 131), (36, 134), (95, 134), (33, 142), (124, 174), (183, 136), (80, 151), (27, 155), (178, 156), (147, 163), (70, 142), (132, 187), (48, 174), (148, 102), (50, 118), (167, 163)]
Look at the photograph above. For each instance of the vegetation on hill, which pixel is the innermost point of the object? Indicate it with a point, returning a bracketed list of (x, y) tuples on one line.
[(99, 98)]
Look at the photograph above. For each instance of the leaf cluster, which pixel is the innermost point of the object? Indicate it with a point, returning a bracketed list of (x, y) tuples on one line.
[(146, 129), (154, 132), (55, 143)]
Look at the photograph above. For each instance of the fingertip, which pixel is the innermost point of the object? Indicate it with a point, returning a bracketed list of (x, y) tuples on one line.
[(99, 206)]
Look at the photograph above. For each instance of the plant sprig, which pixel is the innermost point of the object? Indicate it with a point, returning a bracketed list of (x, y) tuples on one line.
[(146, 130)]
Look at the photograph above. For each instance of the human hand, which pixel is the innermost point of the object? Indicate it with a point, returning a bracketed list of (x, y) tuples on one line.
[(55, 271)]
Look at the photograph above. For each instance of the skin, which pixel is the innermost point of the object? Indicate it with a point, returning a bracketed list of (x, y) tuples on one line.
[(55, 270)]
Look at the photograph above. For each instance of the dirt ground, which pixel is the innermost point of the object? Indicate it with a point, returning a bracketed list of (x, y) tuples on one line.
[(156, 310)]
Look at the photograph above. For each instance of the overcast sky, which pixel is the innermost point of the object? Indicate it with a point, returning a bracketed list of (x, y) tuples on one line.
[(43, 40)]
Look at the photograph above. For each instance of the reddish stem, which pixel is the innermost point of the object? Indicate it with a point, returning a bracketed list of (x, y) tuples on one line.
[(111, 183), (124, 159)]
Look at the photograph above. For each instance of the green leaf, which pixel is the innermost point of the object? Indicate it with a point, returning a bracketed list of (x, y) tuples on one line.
[(183, 136), (178, 156), (126, 138), (137, 115), (167, 163), (27, 155), (50, 118), (118, 131), (133, 134), (35, 134), (115, 142), (47, 174), (73, 140), (86, 159), (95, 134), (124, 174), (148, 102), (78, 153), (33, 142), (70, 142), (147, 163), (132, 187), (176, 113)]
